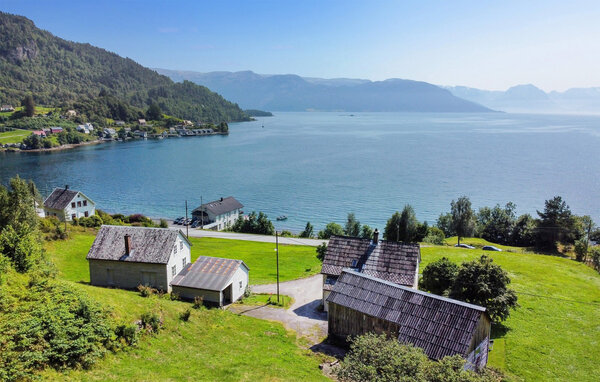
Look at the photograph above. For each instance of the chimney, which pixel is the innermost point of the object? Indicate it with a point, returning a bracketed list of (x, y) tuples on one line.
[(127, 245), (221, 198), (376, 237), (66, 186)]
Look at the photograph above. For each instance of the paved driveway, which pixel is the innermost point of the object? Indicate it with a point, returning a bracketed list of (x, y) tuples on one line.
[(303, 316)]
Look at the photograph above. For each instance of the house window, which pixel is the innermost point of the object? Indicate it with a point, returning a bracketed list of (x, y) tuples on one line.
[(174, 270), (86, 214), (73, 205), (85, 203), (175, 249), (181, 245), (78, 204), (184, 262), (240, 285)]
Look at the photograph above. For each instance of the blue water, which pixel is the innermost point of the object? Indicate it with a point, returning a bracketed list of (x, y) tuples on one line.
[(319, 166)]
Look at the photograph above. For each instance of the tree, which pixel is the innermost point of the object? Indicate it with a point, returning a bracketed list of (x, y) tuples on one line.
[(259, 224), (154, 113), (484, 283), (321, 251), (224, 127), (556, 224), (595, 256), (462, 217), (331, 229), (308, 231), (421, 231), (263, 225), (586, 227), (496, 224), (352, 227), (32, 141), (402, 226), (444, 222), (523, 232), (28, 106), (366, 232), (438, 276), (434, 236)]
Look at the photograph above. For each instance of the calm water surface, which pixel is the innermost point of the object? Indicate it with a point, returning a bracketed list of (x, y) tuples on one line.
[(319, 166)]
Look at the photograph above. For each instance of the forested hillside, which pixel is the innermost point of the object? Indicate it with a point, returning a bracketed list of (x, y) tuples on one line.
[(59, 72)]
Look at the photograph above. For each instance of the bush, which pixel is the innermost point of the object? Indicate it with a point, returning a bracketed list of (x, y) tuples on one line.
[(146, 291), (90, 222), (321, 251), (163, 224), (185, 315), (151, 322), (52, 229), (595, 256), (286, 233), (127, 334), (434, 236), (581, 249), (174, 296), (198, 302), (330, 230), (439, 276)]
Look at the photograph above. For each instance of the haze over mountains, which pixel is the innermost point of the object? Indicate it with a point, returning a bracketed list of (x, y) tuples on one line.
[(290, 92)]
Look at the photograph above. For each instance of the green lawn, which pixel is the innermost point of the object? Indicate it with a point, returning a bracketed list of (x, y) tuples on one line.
[(555, 333), (260, 299), (15, 136), (294, 261)]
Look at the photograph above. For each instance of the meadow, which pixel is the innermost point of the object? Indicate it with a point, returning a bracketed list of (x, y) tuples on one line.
[(15, 136)]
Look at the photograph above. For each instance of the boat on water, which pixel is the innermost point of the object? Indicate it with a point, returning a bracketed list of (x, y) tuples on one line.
[(282, 217)]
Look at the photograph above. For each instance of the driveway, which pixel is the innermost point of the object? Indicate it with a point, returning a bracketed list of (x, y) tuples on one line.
[(303, 316), (193, 232)]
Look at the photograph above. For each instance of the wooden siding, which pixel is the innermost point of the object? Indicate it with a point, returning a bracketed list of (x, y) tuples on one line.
[(209, 296), (126, 275), (344, 322)]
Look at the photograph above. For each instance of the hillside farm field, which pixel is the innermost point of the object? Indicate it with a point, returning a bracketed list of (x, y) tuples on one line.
[(15, 136), (553, 335)]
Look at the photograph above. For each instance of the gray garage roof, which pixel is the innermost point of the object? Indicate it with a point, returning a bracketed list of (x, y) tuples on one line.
[(439, 325), (389, 260), (221, 206), (208, 273), (149, 245), (60, 198)]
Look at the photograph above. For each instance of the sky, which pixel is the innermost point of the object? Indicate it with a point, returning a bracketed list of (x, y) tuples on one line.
[(554, 45)]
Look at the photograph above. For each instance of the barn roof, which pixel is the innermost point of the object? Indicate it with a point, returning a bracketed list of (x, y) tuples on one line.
[(439, 325), (208, 273), (60, 198), (148, 245), (389, 260), (221, 206)]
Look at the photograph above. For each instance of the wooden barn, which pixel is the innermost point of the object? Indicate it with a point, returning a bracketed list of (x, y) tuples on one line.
[(218, 281), (389, 260), (359, 304)]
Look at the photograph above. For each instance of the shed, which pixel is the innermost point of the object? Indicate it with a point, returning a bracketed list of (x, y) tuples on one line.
[(126, 257), (218, 281), (360, 304)]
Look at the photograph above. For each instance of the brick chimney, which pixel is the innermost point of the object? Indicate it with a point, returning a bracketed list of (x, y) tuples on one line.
[(127, 245), (66, 186), (376, 237)]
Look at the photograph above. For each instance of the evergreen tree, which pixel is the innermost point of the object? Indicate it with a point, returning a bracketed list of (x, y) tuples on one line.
[(308, 231), (28, 106), (352, 227), (402, 226), (556, 224)]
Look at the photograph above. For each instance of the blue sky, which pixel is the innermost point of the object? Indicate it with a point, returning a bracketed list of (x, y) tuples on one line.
[(493, 45)]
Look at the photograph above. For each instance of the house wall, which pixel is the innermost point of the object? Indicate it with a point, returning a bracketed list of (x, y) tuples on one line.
[(226, 219), (344, 322), (180, 251), (239, 282), (126, 275), (209, 296), (477, 354)]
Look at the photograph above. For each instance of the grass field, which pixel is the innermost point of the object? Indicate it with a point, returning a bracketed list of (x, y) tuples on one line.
[(553, 336), (259, 299), (15, 136), (294, 261), (555, 333)]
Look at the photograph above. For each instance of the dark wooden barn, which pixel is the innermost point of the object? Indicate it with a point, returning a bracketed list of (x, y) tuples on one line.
[(360, 304)]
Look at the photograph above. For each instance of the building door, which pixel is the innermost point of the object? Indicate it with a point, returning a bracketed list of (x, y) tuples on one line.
[(227, 295)]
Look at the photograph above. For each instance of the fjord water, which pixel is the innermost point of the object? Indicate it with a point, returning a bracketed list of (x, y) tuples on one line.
[(319, 166)]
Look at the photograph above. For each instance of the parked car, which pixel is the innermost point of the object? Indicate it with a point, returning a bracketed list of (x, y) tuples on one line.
[(179, 220), (491, 248), (462, 245), (196, 223)]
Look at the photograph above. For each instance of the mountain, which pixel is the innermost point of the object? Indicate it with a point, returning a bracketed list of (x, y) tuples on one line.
[(530, 99), (60, 72), (289, 92)]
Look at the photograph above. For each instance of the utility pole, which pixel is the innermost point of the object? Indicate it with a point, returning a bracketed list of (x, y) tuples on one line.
[(202, 211), (277, 251), (187, 225)]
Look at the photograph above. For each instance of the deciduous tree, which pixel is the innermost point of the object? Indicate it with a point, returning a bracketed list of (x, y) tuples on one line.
[(352, 227), (463, 221)]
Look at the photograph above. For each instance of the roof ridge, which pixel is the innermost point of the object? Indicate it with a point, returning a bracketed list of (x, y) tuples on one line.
[(416, 291), (380, 241)]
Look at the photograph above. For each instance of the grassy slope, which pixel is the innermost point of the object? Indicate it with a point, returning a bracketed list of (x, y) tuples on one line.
[(213, 345), (294, 261), (556, 337), (15, 136)]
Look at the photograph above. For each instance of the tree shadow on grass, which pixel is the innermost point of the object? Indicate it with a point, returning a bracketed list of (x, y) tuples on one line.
[(499, 330)]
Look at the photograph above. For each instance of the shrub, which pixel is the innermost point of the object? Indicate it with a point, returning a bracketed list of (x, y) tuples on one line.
[(439, 276), (163, 224), (198, 302), (151, 322), (581, 249), (321, 251), (595, 256), (285, 233), (434, 236), (174, 296), (185, 315), (52, 229), (146, 291), (127, 334)]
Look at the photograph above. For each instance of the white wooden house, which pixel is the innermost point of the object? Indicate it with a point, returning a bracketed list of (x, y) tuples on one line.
[(126, 257), (219, 214), (66, 204)]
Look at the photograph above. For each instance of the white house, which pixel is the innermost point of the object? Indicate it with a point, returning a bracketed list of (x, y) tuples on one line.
[(85, 128), (219, 214), (218, 281), (6, 108), (68, 204), (126, 257)]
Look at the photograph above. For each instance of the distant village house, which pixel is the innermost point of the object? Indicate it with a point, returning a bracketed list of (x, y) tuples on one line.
[(71, 113), (39, 133), (6, 108), (56, 130), (360, 304), (66, 204), (218, 214), (142, 122), (389, 260)]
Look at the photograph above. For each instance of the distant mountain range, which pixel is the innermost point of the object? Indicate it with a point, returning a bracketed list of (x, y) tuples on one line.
[(530, 99), (290, 92)]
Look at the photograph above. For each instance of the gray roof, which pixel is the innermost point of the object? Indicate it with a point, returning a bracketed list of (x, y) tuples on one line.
[(208, 273), (389, 260), (60, 198), (439, 325), (221, 206), (149, 245)]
